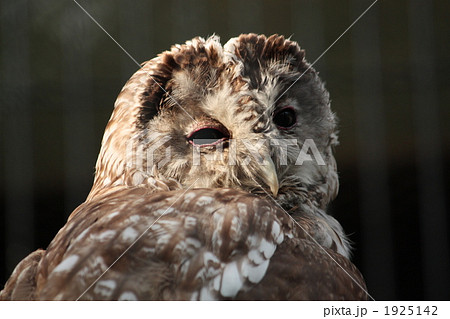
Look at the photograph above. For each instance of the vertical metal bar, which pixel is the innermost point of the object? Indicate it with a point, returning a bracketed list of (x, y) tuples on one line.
[(307, 23), (79, 151), (245, 17), (188, 20), (17, 131), (377, 254), (429, 159), (136, 35)]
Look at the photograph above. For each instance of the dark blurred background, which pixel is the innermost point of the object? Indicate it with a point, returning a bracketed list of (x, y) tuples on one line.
[(388, 78)]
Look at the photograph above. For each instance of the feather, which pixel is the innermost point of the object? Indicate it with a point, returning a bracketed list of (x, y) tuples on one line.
[(169, 218)]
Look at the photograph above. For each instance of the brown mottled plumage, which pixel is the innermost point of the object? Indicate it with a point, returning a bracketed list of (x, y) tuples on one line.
[(180, 206)]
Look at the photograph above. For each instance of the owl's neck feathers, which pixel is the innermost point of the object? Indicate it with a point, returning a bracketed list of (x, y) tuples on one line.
[(304, 192)]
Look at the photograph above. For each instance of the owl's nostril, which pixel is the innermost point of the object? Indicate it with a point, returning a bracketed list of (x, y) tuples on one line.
[(207, 136)]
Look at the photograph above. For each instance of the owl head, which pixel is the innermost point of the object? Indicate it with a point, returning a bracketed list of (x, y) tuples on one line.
[(250, 115)]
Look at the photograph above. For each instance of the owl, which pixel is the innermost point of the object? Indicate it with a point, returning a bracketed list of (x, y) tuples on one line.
[(212, 183)]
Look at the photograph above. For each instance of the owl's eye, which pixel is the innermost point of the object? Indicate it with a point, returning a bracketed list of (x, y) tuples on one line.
[(207, 136), (285, 118)]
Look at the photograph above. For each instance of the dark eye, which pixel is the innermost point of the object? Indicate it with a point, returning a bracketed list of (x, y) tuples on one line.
[(285, 118), (206, 136)]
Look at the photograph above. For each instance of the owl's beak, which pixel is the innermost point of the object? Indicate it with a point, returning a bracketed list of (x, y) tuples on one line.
[(269, 175)]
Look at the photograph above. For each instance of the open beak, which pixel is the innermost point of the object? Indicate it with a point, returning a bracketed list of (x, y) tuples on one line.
[(269, 175)]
